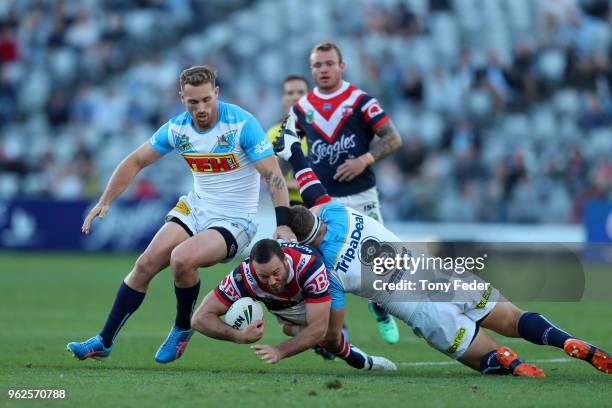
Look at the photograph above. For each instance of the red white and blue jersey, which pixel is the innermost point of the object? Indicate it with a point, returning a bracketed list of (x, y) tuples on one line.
[(307, 281), (338, 127)]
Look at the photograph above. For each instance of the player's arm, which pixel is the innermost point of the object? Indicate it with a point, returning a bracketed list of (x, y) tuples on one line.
[(206, 320), (288, 147), (317, 316), (387, 142), (270, 171), (120, 180)]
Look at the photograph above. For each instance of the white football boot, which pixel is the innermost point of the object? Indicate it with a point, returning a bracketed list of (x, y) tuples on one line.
[(286, 138), (378, 363)]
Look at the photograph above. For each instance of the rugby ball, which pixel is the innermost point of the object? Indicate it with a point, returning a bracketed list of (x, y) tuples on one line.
[(243, 312)]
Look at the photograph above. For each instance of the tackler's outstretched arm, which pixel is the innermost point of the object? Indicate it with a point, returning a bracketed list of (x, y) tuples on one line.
[(288, 147)]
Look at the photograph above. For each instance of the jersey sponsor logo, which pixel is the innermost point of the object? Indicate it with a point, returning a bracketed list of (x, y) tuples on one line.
[(485, 298), (331, 152), (373, 110), (299, 247), (228, 288), (459, 336), (182, 207), (262, 146), (327, 107), (352, 245), (347, 111), (301, 263), (318, 284), (211, 163)]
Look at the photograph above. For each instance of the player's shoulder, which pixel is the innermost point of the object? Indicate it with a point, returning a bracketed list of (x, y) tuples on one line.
[(180, 119), (332, 207), (232, 113)]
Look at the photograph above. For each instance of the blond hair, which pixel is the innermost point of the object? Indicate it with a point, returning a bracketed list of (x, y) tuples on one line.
[(327, 46), (198, 75)]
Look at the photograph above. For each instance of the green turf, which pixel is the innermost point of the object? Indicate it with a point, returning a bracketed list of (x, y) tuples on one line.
[(48, 300)]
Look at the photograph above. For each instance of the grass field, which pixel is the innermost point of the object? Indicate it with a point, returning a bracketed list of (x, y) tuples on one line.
[(48, 300)]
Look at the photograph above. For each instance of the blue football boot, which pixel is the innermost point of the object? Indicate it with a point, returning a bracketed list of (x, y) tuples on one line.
[(174, 346), (92, 348)]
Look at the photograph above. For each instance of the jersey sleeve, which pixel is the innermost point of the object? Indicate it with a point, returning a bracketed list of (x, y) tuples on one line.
[(314, 282), (373, 114), (294, 112), (160, 140), (337, 293), (254, 142), (231, 288)]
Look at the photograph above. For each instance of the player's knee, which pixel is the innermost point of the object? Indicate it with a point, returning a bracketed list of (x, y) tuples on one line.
[(146, 267), (181, 263), (508, 321)]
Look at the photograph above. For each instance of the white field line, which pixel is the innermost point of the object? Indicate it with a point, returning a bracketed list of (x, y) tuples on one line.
[(451, 362)]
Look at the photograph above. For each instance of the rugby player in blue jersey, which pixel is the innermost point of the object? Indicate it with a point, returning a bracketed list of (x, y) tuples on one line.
[(226, 150), (450, 327)]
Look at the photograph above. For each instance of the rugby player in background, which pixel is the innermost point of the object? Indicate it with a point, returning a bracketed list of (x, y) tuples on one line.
[(347, 132), (226, 149), (294, 87)]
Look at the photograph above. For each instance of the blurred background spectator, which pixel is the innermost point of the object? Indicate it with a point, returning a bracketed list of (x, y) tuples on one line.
[(505, 106)]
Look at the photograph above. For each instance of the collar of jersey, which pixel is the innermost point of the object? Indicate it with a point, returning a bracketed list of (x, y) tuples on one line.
[(343, 88)]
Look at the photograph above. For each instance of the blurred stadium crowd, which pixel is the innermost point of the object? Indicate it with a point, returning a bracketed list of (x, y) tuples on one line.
[(505, 106)]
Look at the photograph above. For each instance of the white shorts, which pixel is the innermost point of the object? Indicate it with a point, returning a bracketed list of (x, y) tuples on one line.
[(449, 327), (365, 202), (194, 213)]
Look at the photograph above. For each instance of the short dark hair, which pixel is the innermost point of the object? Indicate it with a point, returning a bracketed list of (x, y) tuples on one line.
[(198, 75), (301, 221), (327, 46), (264, 249), (294, 77)]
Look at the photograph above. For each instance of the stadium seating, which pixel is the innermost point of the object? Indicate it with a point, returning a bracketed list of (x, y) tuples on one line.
[(83, 83)]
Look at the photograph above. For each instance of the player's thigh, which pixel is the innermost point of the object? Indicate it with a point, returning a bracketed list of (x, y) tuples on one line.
[(444, 326), (480, 346), (157, 254), (503, 319), (204, 249)]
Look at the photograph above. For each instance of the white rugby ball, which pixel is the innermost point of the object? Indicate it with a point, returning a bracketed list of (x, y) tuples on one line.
[(243, 312)]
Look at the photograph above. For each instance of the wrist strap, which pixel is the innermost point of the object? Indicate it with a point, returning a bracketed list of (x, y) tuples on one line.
[(282, 215)]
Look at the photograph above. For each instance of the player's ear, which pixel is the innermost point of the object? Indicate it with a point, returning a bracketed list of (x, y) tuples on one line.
[(217, 91)]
